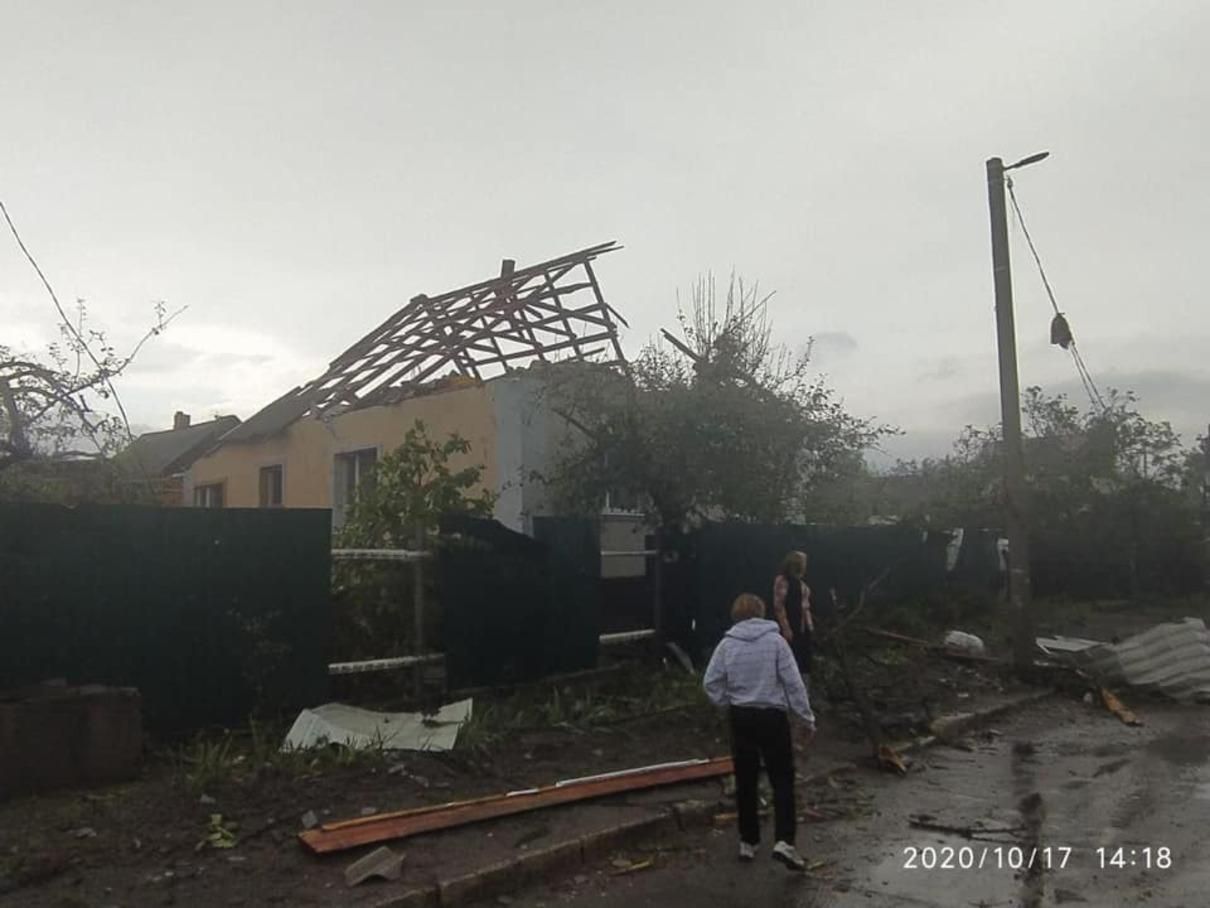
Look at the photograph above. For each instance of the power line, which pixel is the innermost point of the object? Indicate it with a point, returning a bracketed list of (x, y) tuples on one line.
[(1090, 386)]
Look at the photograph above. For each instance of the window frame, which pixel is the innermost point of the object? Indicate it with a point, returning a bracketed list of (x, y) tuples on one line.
[(202, 492), (342, 493), (261, 473)]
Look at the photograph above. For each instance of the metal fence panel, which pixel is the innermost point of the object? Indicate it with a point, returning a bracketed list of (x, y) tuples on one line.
[(209, 612), (516, 608)]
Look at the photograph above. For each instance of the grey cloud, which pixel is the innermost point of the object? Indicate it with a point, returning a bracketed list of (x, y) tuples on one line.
[(942, 369), (171, 358), (829, 346)]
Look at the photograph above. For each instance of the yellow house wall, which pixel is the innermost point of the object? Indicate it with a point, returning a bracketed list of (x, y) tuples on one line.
[(306, 449)]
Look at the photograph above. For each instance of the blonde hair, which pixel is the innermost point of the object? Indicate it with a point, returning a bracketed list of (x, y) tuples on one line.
[(794, 564), (747, 605)]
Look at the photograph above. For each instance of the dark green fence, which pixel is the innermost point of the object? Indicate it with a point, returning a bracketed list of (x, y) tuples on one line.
[(705, 570), (516, 608), (210, 613)]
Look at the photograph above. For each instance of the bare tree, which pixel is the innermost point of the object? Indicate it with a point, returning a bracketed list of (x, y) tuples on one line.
[(53, 406)]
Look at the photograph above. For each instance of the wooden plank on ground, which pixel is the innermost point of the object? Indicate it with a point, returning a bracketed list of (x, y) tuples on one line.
[(403, 824)]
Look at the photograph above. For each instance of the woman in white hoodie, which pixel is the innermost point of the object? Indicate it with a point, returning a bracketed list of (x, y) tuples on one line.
[(753, 673)]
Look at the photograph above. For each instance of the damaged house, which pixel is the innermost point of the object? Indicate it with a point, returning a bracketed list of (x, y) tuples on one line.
[(466, 362)]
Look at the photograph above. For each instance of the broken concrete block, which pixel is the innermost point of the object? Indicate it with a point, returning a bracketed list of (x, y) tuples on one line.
[(53, 736), (381, 862)]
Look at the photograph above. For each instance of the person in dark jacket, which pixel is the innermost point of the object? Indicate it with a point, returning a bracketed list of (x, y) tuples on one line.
[(752, 673), (792, 609)]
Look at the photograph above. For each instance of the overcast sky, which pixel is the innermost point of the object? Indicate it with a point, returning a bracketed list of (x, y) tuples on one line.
[(293, 172)]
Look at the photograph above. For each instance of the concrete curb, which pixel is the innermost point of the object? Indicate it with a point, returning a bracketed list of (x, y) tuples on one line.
[(507, 876)]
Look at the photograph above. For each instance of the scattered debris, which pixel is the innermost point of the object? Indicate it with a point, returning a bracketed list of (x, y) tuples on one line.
[(369, 811), (336, 723), (1118, 708), (975, 831), (889, 760), (381, 862), (962, 642), (681, 657), (1171, 658), (884, 754), (84, 832), (622, 867), (1064, 646), (206, 799), (939, 648), (310, 820)]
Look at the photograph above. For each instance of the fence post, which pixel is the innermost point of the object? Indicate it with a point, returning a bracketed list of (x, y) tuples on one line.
[(657, 583), (418, 613)]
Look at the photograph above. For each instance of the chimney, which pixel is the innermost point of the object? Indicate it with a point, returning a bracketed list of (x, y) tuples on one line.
[(180, 421)]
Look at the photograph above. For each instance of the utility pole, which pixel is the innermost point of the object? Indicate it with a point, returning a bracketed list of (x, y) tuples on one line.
[(1015, 503), (1206, 508)]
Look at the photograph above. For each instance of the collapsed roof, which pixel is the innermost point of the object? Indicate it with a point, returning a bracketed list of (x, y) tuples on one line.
[(553, 310)]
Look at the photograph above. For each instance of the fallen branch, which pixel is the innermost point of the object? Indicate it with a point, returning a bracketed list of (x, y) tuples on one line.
[(931, 647), (883, 753), (967, 832)]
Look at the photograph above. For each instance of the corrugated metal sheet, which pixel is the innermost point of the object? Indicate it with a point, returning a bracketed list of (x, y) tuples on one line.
[(1173, 659)]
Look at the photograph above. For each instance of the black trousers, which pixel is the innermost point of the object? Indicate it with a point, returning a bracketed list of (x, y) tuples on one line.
[(763, 735)]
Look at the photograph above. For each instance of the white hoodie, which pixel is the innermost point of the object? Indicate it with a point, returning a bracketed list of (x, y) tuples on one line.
[(753, 666)]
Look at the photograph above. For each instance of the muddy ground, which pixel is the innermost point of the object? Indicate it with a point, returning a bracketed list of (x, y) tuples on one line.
[(1109, 814), (152, 841)]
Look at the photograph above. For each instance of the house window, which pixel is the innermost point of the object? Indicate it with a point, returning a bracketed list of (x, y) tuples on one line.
[(272, 488), (353, 468), (208, 496), (618, 501)]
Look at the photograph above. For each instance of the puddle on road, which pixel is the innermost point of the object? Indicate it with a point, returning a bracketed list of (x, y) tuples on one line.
[(1182, 750)]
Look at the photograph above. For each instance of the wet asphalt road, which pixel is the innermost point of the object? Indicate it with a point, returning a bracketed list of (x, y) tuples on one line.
[(1066, 778)]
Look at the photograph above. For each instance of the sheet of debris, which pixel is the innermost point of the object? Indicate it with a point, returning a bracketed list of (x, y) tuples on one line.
[(337, 723), (1172, 659)]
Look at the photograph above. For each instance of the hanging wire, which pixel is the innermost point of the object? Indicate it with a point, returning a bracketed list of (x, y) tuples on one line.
[(1090, 386)]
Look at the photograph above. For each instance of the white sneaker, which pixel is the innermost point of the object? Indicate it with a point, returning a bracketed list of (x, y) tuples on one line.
[(786, 854), (747, 852)]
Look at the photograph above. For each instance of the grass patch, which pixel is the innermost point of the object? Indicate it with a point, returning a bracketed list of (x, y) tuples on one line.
[(578, 708), (212, 760)]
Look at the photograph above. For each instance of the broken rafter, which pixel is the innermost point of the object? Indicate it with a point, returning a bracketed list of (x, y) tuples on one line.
[(524, 314)]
